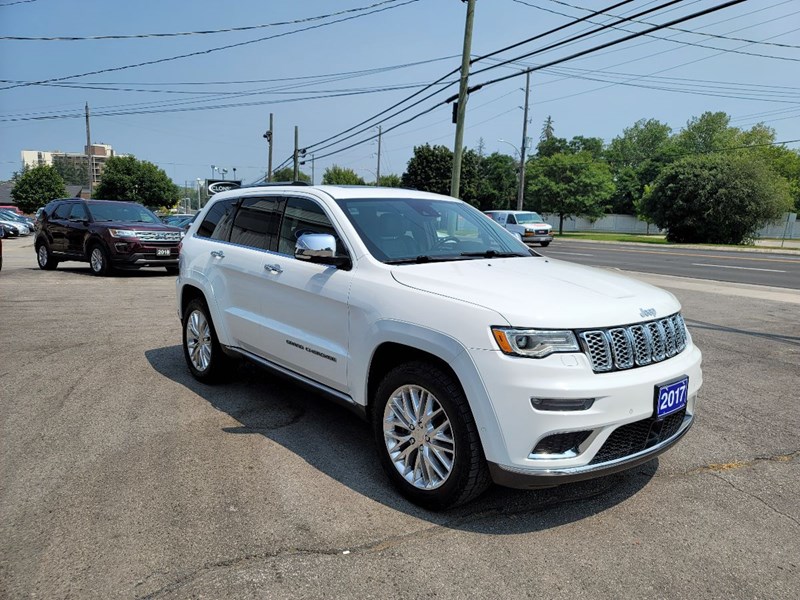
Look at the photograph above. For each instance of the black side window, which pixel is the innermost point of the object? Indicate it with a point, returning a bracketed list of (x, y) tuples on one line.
[(78, 213), (217, 223), (256, 223), (304, 216), (62, 211), (512, 219)]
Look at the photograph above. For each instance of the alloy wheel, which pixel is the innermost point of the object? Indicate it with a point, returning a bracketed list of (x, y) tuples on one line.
[(419, 437), (198, 340)]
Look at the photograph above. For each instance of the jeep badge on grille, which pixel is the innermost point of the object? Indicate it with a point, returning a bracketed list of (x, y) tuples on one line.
[(647, 312)]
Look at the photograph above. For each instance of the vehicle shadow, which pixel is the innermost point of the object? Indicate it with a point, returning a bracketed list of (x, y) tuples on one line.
[(80, 269), (309, 425)]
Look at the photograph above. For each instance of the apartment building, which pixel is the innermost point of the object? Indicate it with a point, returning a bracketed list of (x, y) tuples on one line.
[(99, 153)]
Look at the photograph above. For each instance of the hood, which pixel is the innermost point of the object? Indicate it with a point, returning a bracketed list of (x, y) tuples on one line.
[(137, 226), (542, 292)]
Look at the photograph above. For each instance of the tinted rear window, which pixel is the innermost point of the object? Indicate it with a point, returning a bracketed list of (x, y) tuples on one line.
[(218, 220)]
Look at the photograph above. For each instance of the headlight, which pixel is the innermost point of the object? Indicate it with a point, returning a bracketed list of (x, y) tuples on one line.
[(534, 343), (122, 233)]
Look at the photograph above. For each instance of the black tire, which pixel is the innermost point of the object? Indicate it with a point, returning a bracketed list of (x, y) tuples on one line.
[(172, 270), (468, 476), (99, 262), (44, 257), (545, 244), (201, 348)]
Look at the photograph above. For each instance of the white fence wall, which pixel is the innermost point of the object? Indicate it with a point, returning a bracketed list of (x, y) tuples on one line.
[(788, 227)]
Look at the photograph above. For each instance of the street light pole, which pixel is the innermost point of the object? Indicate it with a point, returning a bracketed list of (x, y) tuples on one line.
[(455, 181)]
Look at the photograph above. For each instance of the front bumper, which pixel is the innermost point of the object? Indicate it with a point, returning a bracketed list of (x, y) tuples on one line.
[(145, 259), (544, 478), (532, 238), (621, 400)]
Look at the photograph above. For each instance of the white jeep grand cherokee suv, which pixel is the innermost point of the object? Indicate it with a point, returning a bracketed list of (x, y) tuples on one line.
[(405, 306)]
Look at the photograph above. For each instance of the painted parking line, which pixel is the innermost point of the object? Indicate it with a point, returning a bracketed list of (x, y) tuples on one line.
[(740, 268), (569, 253)]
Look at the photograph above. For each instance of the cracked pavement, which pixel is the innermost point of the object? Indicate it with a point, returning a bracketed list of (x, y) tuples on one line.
[(122, 477)]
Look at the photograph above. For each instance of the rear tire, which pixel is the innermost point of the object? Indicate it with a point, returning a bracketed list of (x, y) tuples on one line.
[(545, 244), (201, 348), (427, 438), (45, 258), (172, 270), (99, 262)]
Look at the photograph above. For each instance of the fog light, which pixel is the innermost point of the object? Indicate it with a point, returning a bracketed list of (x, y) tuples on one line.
[(562, 404), (121, 247)]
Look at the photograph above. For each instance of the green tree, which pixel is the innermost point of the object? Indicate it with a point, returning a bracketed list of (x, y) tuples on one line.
[(431, 167), (390, 180), (710, 132), (718, 198), (592, 145), (568, 185), (636, 158), (497, 182), (287, 174), (35, 187), (336, 175), (126, 178), (71, 173)]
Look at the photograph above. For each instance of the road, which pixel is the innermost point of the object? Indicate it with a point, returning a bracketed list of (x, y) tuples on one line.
[(752, 267), (122, 477)]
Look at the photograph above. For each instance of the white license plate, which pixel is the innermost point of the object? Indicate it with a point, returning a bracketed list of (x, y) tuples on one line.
[(671, 397), (162, 251)]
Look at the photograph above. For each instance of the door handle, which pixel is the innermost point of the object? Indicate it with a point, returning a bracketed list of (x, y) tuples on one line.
[(217, 254), (275, 269)]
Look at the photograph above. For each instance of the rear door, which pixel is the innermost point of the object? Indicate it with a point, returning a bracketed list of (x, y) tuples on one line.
[(76, 228), (57, 227)]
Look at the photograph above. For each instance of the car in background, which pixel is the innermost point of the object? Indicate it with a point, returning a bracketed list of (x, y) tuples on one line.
[(172, 219), (14, 228), (2, 235), (12, 208), (108, 234), (10, 215), (529, 225)]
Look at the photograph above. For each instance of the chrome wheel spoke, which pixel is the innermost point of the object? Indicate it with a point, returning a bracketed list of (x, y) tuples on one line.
[(198, 340), (418, 437)]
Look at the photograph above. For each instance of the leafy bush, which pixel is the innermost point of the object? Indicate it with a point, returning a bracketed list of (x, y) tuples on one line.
[(718, 198)]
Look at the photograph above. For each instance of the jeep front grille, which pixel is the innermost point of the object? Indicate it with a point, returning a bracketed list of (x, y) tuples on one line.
[(619, 348), (159, 236)]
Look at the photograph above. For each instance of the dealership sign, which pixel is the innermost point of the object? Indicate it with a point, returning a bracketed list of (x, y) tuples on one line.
[(215, 186)]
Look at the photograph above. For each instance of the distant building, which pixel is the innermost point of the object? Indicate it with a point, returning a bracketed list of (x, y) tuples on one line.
[(100, 153)]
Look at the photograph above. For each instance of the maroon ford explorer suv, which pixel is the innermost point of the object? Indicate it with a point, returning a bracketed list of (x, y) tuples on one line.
[(107, 234)]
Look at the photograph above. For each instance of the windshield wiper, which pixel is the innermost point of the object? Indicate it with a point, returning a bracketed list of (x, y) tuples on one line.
[(491, 254), (417, 260)]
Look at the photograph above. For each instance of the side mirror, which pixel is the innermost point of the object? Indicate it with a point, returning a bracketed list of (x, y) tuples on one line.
[(319, 248)]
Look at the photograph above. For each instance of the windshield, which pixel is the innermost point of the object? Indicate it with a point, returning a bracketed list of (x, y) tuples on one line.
[(413, 230), (122, 211), (531, 217)]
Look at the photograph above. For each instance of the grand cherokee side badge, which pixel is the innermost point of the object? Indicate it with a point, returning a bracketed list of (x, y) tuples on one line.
[(647, 312)]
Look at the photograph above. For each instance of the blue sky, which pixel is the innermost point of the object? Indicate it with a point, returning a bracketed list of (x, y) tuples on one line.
[(751, 81)]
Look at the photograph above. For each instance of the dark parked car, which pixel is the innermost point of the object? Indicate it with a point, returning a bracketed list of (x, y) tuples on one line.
[(107, 234)]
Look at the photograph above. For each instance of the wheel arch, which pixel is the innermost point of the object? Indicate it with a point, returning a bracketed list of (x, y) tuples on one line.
[(403, 342)]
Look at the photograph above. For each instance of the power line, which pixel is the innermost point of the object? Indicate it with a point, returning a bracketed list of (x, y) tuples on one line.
[(17, 2), (551, 63), (17, 38), (691, 31), (445, 76), (209, 50), (602, 46)]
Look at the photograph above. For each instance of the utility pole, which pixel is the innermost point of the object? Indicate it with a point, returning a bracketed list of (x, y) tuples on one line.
[(296, 153), (378, 172), (521, 191), (89, 165), (455, 182), (268, 135), (313, 178)]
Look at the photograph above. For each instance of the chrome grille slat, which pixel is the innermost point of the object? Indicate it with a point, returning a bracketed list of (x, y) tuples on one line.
[(629, 346), (159, 236)]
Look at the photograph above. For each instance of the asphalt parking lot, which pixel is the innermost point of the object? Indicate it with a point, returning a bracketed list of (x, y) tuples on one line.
[(122, 477)]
